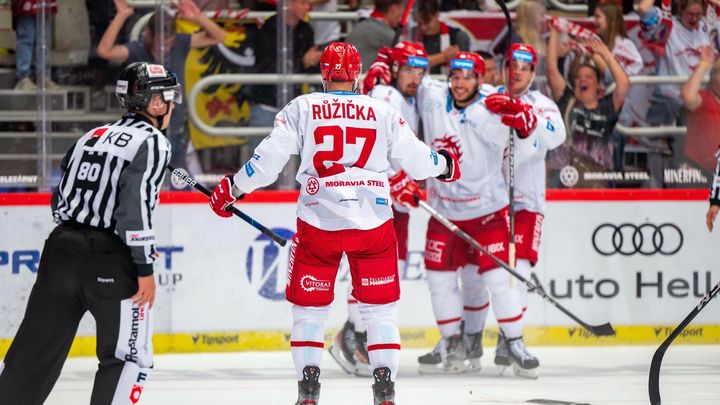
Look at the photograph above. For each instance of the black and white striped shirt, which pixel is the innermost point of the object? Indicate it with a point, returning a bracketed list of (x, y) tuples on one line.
[(715, 186), (111, 180)]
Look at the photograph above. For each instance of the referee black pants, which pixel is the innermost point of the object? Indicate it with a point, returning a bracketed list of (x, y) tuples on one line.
[(81, 269)]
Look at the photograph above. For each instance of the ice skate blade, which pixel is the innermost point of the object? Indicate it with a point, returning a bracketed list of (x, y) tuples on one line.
[(440, 369), (474, 365), (336, 354), (525, 373), (362, 370)]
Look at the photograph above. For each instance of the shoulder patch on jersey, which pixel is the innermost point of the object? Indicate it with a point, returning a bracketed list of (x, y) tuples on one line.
[(249, 169), (550, 126), (140, 238)]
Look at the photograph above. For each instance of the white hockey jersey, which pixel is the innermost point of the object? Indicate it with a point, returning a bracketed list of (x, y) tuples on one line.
[(345, 142), (479, 139), (682, 50), (407, 107), (530, 172)]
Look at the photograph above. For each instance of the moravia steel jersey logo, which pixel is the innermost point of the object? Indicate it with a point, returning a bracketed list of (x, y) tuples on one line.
[(267, 265)]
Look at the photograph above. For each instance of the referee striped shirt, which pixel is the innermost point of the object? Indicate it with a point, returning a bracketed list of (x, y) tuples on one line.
[(111, 180)]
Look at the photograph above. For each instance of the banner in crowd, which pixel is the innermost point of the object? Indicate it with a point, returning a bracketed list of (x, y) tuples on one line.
[(641, 265)]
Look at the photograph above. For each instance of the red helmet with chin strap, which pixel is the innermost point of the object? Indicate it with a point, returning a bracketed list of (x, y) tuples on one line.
[(522, 53), (470, 61), (408, 53), (340, 62)]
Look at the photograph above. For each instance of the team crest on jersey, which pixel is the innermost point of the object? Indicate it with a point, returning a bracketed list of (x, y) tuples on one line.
[(312, 186), (448, 142)]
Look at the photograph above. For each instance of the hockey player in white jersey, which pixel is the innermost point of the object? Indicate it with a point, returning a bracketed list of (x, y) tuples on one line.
[(406, 64), (345, 142), (528, 110), (454, 115)]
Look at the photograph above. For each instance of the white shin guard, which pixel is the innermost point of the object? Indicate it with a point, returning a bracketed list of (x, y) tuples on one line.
[(506, 301), (476, 299), (525, 269), (446, 300), (308, 336), (383, 336)]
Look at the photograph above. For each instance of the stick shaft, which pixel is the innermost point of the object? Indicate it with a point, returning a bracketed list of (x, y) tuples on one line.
[(654, 376), (601, 330), (184, 177)]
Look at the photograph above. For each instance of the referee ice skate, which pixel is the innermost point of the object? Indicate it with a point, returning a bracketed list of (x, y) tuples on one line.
[(100, 256)]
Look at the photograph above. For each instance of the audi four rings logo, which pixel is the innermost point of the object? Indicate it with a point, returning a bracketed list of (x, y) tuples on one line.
[(645, 239)]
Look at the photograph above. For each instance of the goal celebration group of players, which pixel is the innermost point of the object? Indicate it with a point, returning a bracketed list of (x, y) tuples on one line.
[(360, 158)]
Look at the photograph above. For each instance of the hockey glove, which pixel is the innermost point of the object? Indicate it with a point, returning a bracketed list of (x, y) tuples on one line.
[(521, 117), (496, 102), (379, 71), (222, 198), (404, 190), (453, 167)]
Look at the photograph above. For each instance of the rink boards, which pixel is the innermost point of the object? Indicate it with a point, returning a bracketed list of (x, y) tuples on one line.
[(638, 259)]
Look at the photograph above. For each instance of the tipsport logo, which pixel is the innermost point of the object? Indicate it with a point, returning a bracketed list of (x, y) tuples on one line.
[(267, 265)]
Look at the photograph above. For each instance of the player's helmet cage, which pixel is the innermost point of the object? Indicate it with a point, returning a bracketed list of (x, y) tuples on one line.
[(139, 81), (340, 62), (468, 61), (408, 53), (523, 53)]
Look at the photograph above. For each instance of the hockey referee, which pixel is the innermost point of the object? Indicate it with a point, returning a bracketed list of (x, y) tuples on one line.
[(100, 256)]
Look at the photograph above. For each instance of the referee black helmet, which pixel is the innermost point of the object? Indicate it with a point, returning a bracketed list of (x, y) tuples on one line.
[(139, 81)]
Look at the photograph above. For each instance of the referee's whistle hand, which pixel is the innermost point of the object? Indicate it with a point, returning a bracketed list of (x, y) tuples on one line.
[(146, 291)]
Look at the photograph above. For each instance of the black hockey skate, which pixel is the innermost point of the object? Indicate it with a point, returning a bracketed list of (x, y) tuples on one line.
[(429, 362), (309, 387), (448, 357), (502, 356), (473, 344), (343, 348), (384, 387), (361, 356), (524, 364)]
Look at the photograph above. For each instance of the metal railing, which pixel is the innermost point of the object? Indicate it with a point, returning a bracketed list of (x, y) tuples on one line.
[(570, 8), (272, 78)]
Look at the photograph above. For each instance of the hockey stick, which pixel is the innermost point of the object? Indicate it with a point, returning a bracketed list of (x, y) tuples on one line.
[(185, 178), (599, 330), (654, 379), (511, 152), (403, 20)]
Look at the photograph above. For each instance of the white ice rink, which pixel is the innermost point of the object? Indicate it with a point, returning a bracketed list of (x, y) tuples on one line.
[(597, 375)]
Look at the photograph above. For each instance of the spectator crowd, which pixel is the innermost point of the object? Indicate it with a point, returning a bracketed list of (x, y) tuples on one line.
[(586, 67)]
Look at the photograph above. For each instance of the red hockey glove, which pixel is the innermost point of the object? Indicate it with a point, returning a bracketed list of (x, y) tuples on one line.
[(521, 117), (496, 102), (379, 71), (222, 198), (453, 166), (404, 190)]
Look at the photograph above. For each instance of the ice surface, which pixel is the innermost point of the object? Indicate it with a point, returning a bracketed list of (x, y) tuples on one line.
[(615, 375)]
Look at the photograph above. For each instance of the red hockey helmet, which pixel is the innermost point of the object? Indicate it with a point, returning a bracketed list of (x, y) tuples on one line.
[(340, 62), (469, 61), (522, 53), (408, 53)]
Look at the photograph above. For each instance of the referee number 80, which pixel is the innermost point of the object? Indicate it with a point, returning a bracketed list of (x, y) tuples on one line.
[(89, 171)]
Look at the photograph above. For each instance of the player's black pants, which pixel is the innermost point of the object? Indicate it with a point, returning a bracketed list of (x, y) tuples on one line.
[(81, 270)]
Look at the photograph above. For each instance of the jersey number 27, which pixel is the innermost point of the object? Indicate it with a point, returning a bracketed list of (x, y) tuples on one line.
[(339, 139)]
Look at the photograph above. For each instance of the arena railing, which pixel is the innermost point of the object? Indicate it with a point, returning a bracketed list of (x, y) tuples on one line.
[(272, 78)]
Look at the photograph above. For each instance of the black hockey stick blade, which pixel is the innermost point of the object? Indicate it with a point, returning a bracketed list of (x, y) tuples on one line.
[(656, 362), (185, 178), (602, 330)]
